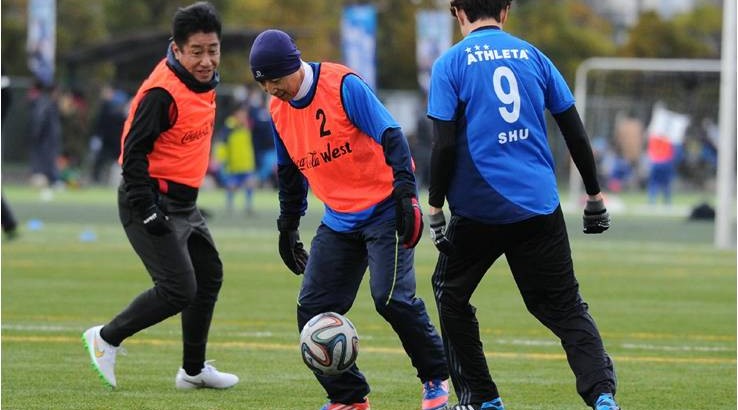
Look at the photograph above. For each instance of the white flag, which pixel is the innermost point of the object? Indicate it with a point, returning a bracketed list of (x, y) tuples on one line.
[(668, 125)]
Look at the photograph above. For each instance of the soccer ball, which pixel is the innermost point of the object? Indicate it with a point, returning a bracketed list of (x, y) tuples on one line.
[(329, 344)]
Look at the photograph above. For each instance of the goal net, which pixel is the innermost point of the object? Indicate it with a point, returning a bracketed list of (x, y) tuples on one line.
[(653, 125)]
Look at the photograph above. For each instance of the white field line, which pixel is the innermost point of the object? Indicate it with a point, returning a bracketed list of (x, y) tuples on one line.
[(282, 346)]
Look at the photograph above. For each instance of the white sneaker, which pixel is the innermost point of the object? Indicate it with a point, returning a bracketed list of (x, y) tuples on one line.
[(209, 377), (102, 355)]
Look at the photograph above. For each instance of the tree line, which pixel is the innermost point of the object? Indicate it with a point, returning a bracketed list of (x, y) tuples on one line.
[(568, 31)]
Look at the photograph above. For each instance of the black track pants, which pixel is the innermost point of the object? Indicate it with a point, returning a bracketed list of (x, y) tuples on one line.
[(539, 256), (187, 274)]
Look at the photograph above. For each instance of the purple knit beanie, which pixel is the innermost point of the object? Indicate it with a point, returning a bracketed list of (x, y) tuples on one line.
[(273, 55)]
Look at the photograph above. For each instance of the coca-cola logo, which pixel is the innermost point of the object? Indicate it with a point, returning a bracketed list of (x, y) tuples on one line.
[(194, 135)]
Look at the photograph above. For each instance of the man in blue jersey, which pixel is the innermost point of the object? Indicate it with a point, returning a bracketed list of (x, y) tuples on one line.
[(492, 162), (333, 135)]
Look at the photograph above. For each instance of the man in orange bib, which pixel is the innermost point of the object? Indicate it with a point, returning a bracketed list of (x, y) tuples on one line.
[(165, 148), (333, 135)]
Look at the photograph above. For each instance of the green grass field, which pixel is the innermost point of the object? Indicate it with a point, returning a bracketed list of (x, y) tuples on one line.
[(663, 296)]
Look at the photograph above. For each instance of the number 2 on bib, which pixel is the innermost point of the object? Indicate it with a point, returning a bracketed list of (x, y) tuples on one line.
[(320, 115)]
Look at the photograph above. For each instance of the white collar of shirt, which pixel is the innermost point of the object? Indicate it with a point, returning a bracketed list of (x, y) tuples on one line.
[(307, 82)]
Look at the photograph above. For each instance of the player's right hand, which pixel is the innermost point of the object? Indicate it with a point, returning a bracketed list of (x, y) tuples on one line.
[(437, 224), (155, 221), (291, 248)]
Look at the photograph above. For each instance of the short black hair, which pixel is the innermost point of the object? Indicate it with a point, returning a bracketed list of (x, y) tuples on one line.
[(195, 18), (476, 9)]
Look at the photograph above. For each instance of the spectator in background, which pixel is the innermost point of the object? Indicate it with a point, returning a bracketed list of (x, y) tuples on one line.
[(626, 152), (263, 138), (620, 174), (7, 97), (420, 145), (616, 170), (666, 134), (710, 139), (105, 143), (9, 223), (234, 152), (74, 110), (7, 218), (662, 157), (44, 134)]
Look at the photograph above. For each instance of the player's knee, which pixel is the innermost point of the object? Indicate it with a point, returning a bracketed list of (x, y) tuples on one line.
[(383, 308), (179, 294), (210, 288), (396, 308), (453, 303), (307, 310), (557, 311), (303, 315), (456, 308)]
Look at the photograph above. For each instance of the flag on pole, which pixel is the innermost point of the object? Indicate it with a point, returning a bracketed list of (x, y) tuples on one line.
[(358, 40), (433, 31), (41, 41)]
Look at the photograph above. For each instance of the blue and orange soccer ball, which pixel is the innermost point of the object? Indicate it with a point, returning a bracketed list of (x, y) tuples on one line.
[(329, 344)]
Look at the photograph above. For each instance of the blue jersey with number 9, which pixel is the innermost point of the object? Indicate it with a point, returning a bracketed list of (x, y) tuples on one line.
[(496, 87)]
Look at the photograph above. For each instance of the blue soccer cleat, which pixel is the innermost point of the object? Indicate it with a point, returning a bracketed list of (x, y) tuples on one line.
[(606, 401), (495, 404)]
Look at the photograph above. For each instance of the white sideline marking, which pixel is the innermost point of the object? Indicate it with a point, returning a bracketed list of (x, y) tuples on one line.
[(635, 346), (527, 342), (57, 328), (268, 334), (677, 348), (39, 328), (254, 334)]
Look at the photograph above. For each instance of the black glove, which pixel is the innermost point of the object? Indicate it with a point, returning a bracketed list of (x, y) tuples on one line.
[(408, 214), (596, 218), (155, 221), (290, 248), (438, 234)]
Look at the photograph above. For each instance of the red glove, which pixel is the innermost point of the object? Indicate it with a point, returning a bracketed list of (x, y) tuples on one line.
[(409, 215)]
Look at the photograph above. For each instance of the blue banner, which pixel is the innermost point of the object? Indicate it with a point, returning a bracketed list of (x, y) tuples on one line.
[(433, 35), (358, 41), (41, 41)]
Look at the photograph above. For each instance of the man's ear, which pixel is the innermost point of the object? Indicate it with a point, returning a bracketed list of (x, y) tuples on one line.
[(503, 14), (175, 49), (461, 16)]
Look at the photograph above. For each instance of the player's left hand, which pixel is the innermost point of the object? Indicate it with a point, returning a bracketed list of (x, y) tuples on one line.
[(596, 219), (155, 221), (409, 216), (438, 234)]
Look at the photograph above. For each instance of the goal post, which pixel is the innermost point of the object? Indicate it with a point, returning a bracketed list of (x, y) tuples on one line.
[(724, 217), (726, 166)]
